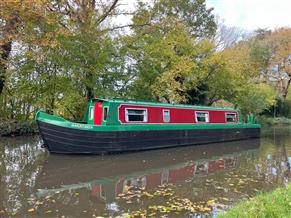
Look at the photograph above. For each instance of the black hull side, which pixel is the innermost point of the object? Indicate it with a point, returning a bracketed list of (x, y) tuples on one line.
[(73, 141)]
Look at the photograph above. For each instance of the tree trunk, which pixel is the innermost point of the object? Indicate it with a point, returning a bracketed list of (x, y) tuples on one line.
[(89, 92), (89, 85), (286, 89), (2, 78), (5, 49)]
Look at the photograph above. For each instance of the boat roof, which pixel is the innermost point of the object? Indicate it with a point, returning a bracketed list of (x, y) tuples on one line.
[(155, 103)]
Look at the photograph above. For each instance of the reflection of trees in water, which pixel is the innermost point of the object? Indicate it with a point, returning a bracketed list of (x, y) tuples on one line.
[(2, 173), (21, 162), (76, 201), (273, 165)]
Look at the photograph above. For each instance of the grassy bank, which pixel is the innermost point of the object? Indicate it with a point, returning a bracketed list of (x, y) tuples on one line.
[(269, 121), (16, 128), (274, 204)]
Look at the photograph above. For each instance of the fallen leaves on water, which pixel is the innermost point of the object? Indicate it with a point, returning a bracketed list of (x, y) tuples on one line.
[(225, 199), (211, 202), (205, 209), (30, 210), (174, 206), (138, 213), (148, 194), (171, 205), (38, 203), (236, 191), (152, 214), (166, 192)]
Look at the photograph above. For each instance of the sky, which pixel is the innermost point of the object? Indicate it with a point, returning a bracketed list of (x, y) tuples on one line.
[(246, 14), (253, 14)]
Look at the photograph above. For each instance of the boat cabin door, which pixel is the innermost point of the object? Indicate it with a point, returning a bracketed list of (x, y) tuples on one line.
[(97, 113)]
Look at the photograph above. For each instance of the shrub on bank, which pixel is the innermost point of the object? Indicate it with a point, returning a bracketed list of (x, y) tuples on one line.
[(264, 120), (15, 128), (274, 204)]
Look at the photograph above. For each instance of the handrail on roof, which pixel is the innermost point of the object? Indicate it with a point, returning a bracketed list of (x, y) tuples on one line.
[(119, 100), (125, 100), (97, 99)]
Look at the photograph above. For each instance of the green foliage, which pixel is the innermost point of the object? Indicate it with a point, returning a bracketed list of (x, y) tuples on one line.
[(271, 52), (171, 61), (187, 66), (15, 128), (270, 121), (260, 53), (255, 98), (275, 204), (199, 20), (61, 66), (285, 106)]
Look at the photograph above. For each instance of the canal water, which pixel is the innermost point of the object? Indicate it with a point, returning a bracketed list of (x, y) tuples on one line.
[(193, 181)]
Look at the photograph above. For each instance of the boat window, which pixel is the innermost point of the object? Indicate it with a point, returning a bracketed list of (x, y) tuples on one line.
[(230, 117), (91, 113), (105, 112), (166, 116), (136, 115), (202, 117)]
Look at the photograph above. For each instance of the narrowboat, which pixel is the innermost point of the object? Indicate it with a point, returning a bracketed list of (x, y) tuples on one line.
[(119, 125)]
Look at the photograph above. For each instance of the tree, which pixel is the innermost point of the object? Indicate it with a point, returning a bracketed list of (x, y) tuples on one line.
[(91, 49), (238, 80), (273, 51), (199, 21), (16, 20), (227, 36), (162, 48), (64, 58), (254, 98), (187, 78)]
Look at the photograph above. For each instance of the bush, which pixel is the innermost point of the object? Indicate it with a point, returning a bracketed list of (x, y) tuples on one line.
[(16, 128), (264, 120)]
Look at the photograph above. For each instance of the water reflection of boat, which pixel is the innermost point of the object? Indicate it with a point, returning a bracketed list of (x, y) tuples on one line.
[(106, 177)]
